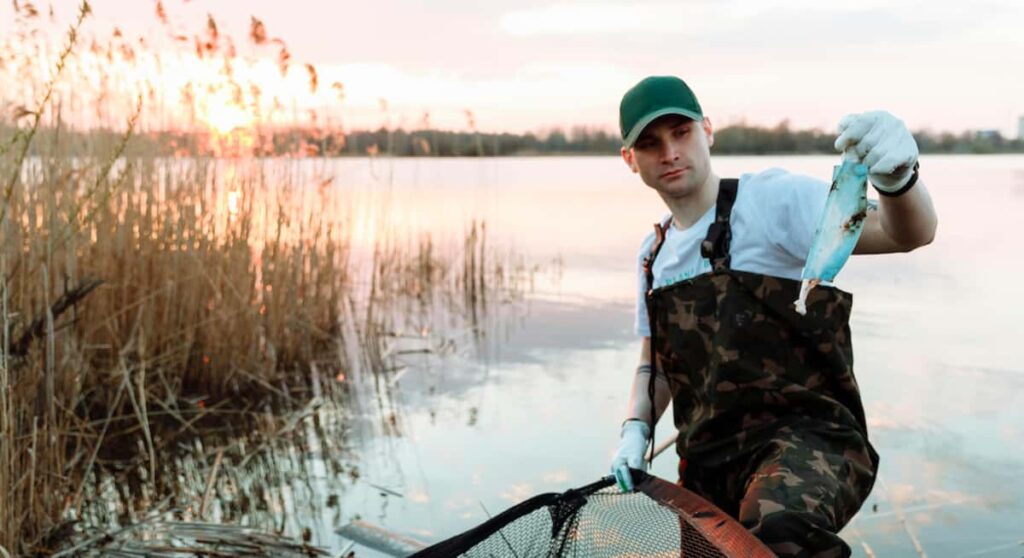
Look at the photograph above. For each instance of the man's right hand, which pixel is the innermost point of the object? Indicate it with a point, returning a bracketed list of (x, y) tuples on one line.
[(884, 143), (632, 446)]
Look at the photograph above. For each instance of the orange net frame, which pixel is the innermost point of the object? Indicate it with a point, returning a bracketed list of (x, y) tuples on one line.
[(658, 519)]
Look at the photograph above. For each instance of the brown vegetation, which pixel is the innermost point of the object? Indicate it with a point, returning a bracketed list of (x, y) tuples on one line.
[(141, 296), (130, 287)]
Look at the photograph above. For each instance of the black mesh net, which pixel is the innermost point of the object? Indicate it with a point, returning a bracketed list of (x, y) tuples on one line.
[(659, 519)]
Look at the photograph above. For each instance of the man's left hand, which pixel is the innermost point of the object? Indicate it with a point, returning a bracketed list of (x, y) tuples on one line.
[(883, 143), (632, 445)]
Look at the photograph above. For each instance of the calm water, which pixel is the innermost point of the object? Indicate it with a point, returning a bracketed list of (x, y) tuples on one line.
[(532, 403), (936, 335)]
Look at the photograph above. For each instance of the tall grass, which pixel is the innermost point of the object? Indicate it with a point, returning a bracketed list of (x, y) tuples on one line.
[(118, 304), (141, 296)]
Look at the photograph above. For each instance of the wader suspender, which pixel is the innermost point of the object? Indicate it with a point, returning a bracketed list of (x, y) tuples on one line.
[(714, 247)]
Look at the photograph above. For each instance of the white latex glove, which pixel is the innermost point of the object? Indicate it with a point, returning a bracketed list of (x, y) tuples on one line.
[(632, 446), (883, 143)]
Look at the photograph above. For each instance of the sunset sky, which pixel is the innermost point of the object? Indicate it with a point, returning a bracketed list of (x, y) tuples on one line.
[(531, 65)]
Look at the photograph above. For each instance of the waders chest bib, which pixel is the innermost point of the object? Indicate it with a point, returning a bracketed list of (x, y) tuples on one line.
[(757, 386)]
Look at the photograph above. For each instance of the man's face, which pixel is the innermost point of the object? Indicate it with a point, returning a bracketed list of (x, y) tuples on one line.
[(672, 155)]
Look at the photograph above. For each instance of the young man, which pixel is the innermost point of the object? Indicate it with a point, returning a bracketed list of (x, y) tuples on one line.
[(771, 426)]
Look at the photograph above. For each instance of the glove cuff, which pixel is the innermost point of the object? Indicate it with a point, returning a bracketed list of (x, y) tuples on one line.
[(905, 188), (638, 426)]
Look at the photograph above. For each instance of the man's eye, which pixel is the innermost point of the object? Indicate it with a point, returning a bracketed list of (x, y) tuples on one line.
[(680, 132)]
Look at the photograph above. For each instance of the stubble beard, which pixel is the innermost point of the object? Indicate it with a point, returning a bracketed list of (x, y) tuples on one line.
[(683, 187)]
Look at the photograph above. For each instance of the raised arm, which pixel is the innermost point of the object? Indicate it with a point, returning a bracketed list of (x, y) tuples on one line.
[(898, 224)]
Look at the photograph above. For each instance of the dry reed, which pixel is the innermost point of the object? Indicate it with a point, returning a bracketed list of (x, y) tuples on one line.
[(141, 296), (199, 298)]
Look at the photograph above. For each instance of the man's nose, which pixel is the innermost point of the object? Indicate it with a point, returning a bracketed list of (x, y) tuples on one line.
[(669, 152)]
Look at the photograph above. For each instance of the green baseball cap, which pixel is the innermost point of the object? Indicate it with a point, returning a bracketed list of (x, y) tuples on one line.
[(653, 97)]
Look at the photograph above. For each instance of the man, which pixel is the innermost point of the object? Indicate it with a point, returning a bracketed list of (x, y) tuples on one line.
[(771, 426)]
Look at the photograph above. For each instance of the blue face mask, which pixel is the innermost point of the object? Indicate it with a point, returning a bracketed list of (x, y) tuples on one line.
[(839, 228)]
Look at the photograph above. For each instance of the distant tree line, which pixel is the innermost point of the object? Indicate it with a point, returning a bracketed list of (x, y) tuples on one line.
[(729, 140), (446, 143), (736, 139)]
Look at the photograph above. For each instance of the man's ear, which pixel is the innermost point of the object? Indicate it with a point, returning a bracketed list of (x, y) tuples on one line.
[(630, 159), (708, 131)]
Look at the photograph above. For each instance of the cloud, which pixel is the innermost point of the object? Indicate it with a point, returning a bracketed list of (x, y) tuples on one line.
[(770, 23), (523, 98), (592, 18), (518, 492), (556, 477)]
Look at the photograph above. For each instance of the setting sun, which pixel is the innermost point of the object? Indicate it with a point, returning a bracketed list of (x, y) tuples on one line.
[(224, 116)]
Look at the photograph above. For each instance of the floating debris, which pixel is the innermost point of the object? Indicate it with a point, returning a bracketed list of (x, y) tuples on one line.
[(386, 490), (380, 539), (180, 539)]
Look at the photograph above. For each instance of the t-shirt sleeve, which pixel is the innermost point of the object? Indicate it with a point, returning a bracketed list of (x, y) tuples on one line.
[(792, 206), (641, 324)]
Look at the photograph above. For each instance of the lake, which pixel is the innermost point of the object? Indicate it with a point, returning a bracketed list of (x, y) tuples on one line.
[(935, 339), (530, 399)]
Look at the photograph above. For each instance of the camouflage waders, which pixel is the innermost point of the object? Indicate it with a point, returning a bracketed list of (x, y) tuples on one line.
[(771, 426)]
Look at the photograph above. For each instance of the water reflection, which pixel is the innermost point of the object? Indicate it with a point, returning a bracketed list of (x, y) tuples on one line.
[(485, 405), (305, 473)]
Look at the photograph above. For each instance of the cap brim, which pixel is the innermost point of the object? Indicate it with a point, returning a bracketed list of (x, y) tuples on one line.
[(652, 116)]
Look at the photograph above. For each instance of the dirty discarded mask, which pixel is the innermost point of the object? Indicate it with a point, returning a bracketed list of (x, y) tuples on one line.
[(839, 229)]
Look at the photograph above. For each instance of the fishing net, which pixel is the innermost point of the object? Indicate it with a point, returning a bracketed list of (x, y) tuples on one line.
[(659, 519)]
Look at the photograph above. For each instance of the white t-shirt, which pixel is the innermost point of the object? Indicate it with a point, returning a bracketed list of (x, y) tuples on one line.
[(773, 223)]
